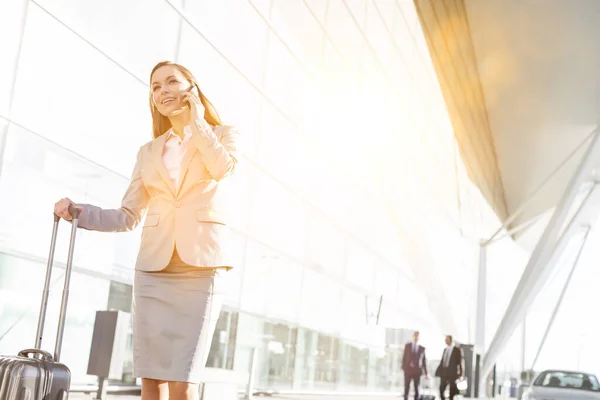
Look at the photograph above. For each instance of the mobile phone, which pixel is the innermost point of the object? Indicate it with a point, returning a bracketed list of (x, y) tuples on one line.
[(189, 90)]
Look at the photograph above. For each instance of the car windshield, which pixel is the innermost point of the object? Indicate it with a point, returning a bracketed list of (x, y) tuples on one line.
[(568, 380)]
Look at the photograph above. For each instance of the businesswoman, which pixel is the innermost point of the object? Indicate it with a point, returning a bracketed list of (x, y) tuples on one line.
[(182, 261)]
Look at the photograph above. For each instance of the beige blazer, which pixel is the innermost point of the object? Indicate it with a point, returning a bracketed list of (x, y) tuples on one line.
[(189, 216)]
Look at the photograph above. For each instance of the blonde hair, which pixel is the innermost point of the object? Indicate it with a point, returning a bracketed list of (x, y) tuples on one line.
[(160, 123)]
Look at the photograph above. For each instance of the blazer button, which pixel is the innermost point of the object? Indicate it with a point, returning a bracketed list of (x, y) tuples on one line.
[(177, 204)]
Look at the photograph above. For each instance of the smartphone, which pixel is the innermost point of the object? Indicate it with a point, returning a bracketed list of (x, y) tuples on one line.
[(189, 90)]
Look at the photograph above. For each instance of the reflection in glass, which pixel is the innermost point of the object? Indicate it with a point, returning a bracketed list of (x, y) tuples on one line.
[(354, 365), (327, 363), (222, 349)]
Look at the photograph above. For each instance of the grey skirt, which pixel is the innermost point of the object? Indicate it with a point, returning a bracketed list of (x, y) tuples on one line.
[(175, 311)]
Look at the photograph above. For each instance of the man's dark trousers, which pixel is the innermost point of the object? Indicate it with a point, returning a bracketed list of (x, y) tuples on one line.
[(444, 383), (416, 378)]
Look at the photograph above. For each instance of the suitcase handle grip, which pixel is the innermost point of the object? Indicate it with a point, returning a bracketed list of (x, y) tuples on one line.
[(45, 355), (73, 210)]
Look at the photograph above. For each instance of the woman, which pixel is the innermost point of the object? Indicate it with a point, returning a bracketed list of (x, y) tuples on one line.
[(182, 258)]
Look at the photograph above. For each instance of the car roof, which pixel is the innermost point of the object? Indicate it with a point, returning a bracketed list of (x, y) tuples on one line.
[(565, 371)]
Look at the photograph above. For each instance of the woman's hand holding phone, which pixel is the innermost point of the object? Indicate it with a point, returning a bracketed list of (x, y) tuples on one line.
[(196, 107)]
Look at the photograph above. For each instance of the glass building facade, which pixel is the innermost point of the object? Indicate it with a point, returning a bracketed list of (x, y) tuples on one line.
[(350, 189)]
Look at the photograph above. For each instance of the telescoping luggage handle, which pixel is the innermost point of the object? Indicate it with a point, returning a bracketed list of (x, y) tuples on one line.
[(75, 212)]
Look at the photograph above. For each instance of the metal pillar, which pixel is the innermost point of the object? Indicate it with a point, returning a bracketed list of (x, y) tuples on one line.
[(479, 347), (523, 343), (481, 296), (251, 376), (539, 265), (560, 299)]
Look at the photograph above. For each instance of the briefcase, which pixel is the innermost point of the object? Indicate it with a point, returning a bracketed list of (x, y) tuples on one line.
[(36, 374)]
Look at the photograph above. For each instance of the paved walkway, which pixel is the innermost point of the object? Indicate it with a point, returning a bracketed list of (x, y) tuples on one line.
[(81, 396)]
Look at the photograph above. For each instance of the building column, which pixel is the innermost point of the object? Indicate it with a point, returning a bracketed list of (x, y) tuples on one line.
[(479, 347)]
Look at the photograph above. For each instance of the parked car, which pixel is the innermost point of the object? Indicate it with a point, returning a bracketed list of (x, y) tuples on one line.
[(563, 385)]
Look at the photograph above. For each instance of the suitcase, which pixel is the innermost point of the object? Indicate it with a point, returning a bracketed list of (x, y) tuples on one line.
[(35, 374)]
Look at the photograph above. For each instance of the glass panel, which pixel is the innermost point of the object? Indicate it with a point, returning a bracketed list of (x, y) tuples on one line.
[(305, 360), (327, 363), (222, 348), (320, 302), (232, 26), (325, 245), (360, 265), (291, 167), (250, 335), (340, 74), (263, 6), (411, 299), (120, 298), (385, 8), (19, 311), (232, 95), (55, 173), (279, 369), (135, 34), (345, 33), (287, 83), (409, 12), (82, 101), (275, 345), (358, 10), (11, 26), (236, 275), (386, 281), (272, 284), (352, 315), (354, 366), (236, 192), (285, 289), (297, 26), (257, 269), (274, 210), (379, 35), (318, 8)]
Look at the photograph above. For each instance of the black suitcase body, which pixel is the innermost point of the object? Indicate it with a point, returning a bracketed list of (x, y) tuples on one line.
[(35, 374)]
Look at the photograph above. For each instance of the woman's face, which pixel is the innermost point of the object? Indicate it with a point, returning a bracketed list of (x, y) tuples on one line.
[(167, 86)]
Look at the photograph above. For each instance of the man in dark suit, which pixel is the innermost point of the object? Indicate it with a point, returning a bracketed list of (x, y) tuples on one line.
[(414, 365), (450, 369)]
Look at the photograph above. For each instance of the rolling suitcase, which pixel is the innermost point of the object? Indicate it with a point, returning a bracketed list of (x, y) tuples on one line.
[(427, 388), (35, 374)]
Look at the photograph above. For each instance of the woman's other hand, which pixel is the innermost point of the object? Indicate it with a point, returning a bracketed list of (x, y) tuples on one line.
[(61, 208)]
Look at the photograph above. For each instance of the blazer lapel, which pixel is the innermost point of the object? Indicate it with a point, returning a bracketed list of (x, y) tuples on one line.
[(185, 164), (157, 151)]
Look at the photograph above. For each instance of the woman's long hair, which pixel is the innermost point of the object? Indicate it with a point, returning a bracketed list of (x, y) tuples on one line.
[(160, 123)]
